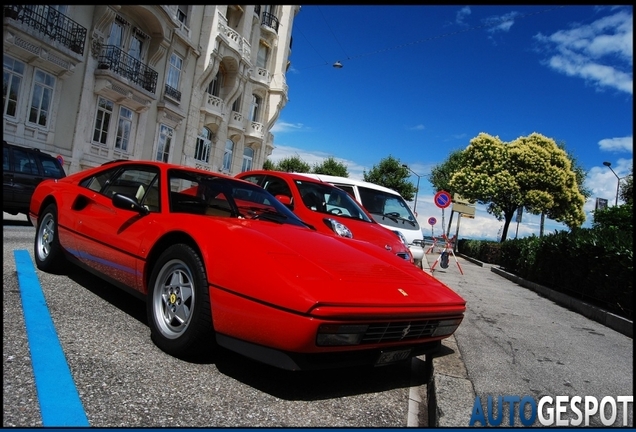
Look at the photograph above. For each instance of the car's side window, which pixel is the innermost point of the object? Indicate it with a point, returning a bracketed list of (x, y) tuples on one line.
[(277, 186), (25, 162), (139, 183), (5, 159), (51, 168), (97, 183)]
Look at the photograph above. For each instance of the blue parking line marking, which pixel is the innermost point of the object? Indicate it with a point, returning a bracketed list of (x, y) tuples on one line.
[(59, 400)]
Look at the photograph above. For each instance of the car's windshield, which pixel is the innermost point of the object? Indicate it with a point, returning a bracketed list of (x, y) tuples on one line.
[(386, 204), (325, 198), (225, 197)]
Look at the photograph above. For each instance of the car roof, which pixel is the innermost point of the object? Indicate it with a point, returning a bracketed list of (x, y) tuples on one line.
[(289, 175), (165, 165), (348, 181)]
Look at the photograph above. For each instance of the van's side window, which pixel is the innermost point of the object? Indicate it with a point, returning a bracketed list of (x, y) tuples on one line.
[(348, 189)]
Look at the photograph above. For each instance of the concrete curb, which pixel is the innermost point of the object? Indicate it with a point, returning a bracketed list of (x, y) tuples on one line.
[(615, 322), (450, 393)]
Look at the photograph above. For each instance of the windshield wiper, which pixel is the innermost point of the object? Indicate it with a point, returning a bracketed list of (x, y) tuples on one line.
[(269, 215)]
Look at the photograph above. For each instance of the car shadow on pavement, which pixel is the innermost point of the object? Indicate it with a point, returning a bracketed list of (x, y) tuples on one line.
[(319, 384), (287, 385), (121, 299)]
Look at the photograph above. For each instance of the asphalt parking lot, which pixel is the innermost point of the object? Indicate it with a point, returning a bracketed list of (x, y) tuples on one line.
[(124, 380)]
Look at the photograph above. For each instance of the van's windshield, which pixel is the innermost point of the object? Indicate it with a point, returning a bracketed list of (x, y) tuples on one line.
[(385, 204)]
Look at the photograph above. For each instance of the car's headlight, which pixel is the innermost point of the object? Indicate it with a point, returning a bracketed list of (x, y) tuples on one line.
[(402, 238), (339, 228), (334, 334)]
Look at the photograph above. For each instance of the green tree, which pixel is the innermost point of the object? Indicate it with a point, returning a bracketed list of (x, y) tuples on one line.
[(331, 166), (441, 174), (627, 188), (269, 165), (530, 172), (292, 164), (390, 173), (579, 171)]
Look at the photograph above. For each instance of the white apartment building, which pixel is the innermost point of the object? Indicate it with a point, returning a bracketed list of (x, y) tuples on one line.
[(197, 85)]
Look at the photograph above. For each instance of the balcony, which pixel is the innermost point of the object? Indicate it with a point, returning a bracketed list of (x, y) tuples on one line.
[(270, 21), (261, 75), (256, 130), (113, 59), (234, 40), (236, 121), (212, 108), (173, 93), (49, 22)]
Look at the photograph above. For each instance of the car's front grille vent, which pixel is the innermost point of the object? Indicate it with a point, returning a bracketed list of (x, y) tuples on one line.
[(399, 331)]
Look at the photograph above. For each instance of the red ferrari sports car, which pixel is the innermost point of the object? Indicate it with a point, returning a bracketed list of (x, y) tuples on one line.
[(328, 208), (219, 260)]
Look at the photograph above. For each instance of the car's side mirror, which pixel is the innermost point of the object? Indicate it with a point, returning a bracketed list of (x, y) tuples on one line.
[(127, 203), (285, 199)]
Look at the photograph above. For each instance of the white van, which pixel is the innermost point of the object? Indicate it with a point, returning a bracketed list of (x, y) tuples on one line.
[(387, 207)]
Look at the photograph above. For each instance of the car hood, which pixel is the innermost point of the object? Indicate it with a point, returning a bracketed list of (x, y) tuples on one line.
[(303, 270)]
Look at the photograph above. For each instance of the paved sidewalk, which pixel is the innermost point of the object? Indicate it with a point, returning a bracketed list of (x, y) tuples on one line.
[(452, 391)]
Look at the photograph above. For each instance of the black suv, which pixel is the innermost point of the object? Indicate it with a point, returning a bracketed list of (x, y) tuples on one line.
[(22, 170)]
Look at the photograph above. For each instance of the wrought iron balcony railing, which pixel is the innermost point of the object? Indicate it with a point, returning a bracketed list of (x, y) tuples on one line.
[(173, 93), (270, 20), (51, 22), (114, 59)]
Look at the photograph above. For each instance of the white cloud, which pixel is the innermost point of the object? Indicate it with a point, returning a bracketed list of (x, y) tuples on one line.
[(315, 157), (281, 127), (601, 52), (501, 23), (461, 14), (623, 144)]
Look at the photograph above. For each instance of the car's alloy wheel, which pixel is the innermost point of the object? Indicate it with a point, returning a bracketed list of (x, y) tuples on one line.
[(178, 301), (47, 250)]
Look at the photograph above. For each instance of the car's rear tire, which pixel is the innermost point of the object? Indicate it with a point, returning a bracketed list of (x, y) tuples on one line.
[(178, 304), (49, 256)]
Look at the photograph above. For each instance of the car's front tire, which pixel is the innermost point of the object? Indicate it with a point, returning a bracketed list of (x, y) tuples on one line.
[(48, 253), (178, 304)]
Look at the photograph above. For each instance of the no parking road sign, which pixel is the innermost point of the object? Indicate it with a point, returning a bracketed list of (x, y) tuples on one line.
[(432, 221), (442, 199)]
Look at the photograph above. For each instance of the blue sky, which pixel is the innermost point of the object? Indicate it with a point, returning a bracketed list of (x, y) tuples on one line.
[(418, 82)]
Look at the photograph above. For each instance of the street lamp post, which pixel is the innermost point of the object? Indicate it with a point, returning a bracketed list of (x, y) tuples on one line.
[(618, 180), (418, 185)]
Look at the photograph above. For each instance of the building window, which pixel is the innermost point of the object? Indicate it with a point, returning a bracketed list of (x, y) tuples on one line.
[(116, 36), (236, 106), (165, 140), (261, 58), (42, 98), (215, 86), (13, 74), (227, 155), (174, 75), (123, 129), (204, 144), (255, 108), (102, 120), (248, 156), (182, 14)]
